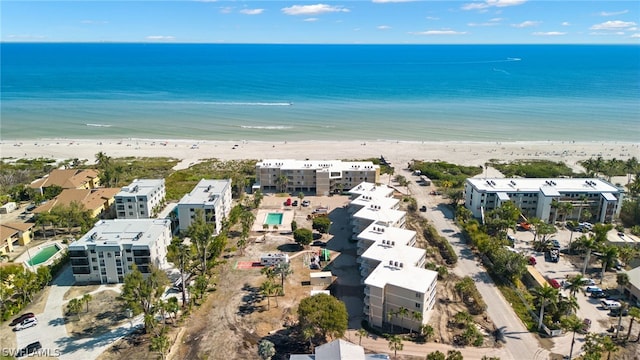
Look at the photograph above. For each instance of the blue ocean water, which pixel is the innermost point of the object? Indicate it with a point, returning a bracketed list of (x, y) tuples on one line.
[(322, 92)]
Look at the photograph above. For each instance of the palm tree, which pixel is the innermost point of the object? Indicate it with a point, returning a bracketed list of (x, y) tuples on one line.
[(284, 269), (555, 204), (624, 306), (608, 345), (583, 202), (361, 333), (300, 196), (402, 312), (588, 243), (565, 209), (568, 305), (454, 355), (546, 295), (608, 257), (630, 167), (575, 284), (390, 318), (627, 252), (268, 288), (574, 324), (283, 182), (634, 313), (86, 299), (415, 316), (427, 331), (395, 344)]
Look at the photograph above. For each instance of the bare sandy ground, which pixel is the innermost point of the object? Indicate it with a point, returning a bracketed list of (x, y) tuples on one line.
[(399, 153)]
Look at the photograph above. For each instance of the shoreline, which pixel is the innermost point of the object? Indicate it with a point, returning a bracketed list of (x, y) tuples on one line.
[(398, 153)]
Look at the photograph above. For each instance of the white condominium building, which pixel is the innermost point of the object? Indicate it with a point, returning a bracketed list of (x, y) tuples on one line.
[(142, 199), (110, 249), (391, 268), (213, 197), (318, 177), (537, 197), (394, 285)]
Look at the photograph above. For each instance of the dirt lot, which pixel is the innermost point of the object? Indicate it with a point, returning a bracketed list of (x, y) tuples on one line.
[(104, 312)]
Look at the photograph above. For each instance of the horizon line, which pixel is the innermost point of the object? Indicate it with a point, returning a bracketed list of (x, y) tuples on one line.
[(285, 43)]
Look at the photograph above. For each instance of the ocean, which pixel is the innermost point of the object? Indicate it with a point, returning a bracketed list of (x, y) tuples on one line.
[(320, 92)]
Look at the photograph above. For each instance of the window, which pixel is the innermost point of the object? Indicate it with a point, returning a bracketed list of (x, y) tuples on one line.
[(128, 250), (418, 295), (117, 253), (94, 259), (95, 268), (109, 255), (92, 251), (417, 305), (129, 259)]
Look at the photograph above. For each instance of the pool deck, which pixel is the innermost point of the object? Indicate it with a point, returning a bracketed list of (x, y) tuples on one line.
[(24, 258), (287, 217)]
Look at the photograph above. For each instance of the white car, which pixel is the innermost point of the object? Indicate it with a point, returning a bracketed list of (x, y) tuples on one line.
[(26, 323), (592, 288), (610, 304)]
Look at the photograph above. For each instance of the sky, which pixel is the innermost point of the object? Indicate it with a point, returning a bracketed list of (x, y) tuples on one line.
[(323, 22)]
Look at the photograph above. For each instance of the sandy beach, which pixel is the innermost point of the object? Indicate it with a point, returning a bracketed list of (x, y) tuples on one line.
[(398, 153)]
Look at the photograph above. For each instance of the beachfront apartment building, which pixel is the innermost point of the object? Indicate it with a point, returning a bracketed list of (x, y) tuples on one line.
[(14, 234), (392, 270), (213, 197), (111, 248), (142, 199), (317, 177), (97, 201), (537, 197)]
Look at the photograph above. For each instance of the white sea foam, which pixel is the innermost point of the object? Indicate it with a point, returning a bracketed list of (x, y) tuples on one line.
[(226, 103), (273, 127), (99, 125)]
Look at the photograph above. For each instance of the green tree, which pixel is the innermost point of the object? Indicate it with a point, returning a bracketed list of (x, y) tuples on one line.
[(417, 317), (403, 312), (284, 270), (181, 255), (503, 218), (266, 350), (574, 324), (395, 344), (427, 331), (575, 284), (269, 289), (436, 355), (321, 224), (201, 233), (86, 299), (323, 313), (139, 293), (257, 198), (74, 306), (634, 313), (609, 254), (454, 355), (545, 295), (283, 182), (361, 333), (303, 236), (300, 196), (160, 343)]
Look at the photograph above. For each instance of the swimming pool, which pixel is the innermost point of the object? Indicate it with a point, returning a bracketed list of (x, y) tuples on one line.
[(273, 219), (43, 255)]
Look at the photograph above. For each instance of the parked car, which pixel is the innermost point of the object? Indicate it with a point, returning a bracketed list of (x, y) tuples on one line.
[(294, 203), (599, 294), (306, 203), (587, 282), (21, 318), (525, 226), (423, 208), (287, 202), (554, 283), (29, 349), (555, 243), (610, 304), (532, 260), (26, 323), (617, 311), (614, 327), (554, 255), (586, 325), (592, 288)]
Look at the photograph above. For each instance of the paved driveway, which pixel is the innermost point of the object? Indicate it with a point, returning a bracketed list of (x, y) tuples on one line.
[(52, 333)]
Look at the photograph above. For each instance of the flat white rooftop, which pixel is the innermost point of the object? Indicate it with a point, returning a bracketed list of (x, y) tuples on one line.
[(124, 231), (547, 185), (206, 192), (409, 277), (378, 232), (141, 187), (321, 165), (385, 251), (379, 214), (371, 189), (384, 202)]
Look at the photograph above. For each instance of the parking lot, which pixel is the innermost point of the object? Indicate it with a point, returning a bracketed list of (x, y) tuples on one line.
[(589, 307)]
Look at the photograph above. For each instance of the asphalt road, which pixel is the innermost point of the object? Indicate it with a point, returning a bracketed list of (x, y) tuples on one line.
[(520, 343)]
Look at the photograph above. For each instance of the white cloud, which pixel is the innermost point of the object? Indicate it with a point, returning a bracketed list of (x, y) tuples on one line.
[(383, 27), (613, 25), (160, 37), (310, 19), (391, 1), (565, 23), (316, 9), (496, 19), (636, 35), (226, 9), (438, 32), (613, 13), (492, 3), (94, 22), (632, 29), (252, 11), (432, 18), (483, 24), (549, 33), (26, 37), (526, 24)]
